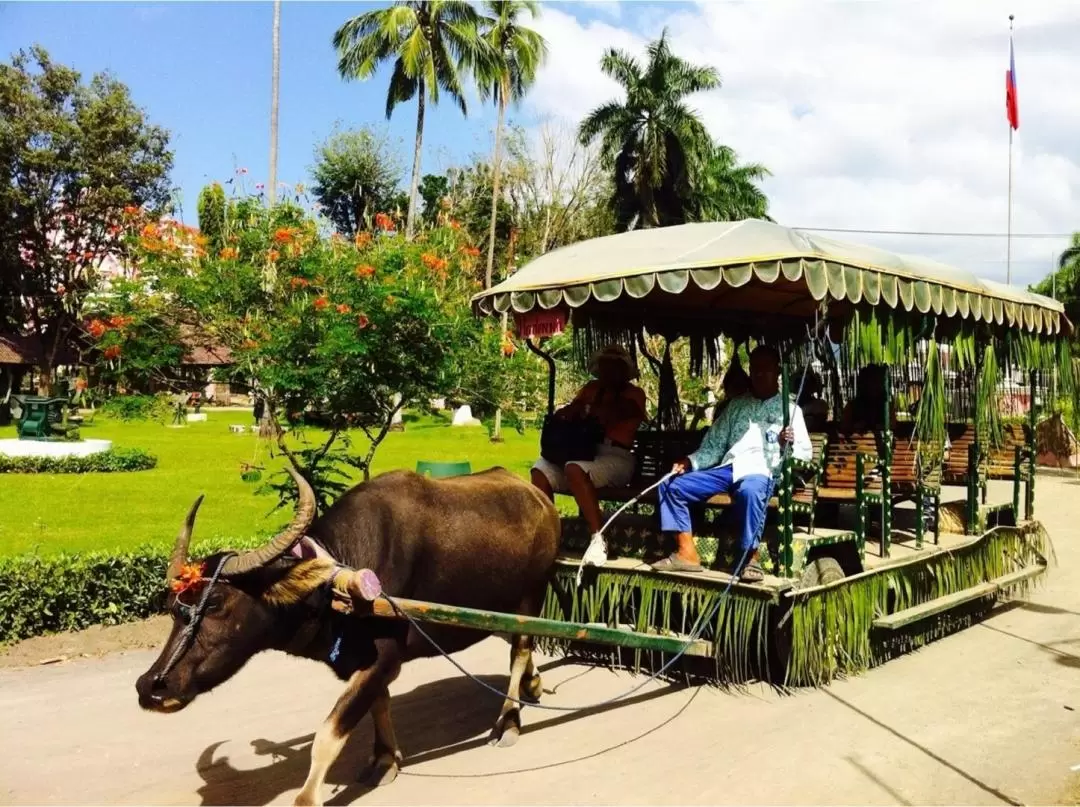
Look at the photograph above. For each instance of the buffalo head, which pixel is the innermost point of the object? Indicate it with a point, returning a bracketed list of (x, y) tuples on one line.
[(228, 607)]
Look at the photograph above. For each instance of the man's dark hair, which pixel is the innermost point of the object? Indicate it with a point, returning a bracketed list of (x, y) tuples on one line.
[(766, 350)]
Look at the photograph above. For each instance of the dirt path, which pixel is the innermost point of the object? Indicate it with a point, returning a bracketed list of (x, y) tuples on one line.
[(987, 716)]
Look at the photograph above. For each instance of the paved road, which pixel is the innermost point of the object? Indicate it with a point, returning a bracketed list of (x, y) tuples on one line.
[(986, 716)]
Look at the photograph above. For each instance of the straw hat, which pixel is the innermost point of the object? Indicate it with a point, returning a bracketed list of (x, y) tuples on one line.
[(613, 352)]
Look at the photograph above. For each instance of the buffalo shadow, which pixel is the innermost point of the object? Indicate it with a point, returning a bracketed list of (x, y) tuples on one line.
[(435, 720)]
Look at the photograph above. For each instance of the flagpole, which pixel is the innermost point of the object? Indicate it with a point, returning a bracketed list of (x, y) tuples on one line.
[(1008, 236)]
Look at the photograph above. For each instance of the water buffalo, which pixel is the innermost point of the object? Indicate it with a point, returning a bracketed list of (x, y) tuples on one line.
[(487, 540)]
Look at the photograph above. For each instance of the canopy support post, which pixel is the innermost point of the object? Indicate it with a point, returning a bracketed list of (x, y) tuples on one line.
[(551, 372), (886, 462), (1029, 498), (787, 557)]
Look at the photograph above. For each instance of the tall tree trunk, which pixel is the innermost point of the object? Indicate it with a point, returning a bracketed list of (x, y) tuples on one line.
[(495, 166), (270, 273), (410, 218), (275, 76)]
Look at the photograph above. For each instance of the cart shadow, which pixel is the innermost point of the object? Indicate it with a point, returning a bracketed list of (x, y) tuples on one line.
[(433, 721)]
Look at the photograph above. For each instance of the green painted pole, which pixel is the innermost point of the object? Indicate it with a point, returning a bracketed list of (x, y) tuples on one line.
[(886, 465), (1029, 500), (973, 486), (495, 622), (787, 516)]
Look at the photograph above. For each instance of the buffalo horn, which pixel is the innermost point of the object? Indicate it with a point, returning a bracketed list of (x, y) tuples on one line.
[(180, 548), (305, 513)]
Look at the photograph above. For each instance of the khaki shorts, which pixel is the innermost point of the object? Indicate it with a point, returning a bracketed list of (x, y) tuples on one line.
[(612, 468)]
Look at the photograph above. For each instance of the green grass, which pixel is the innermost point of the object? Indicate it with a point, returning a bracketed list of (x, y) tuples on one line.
[(46, 514)]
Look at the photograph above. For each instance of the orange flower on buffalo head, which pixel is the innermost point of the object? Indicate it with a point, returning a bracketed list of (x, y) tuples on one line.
[(191, 575)]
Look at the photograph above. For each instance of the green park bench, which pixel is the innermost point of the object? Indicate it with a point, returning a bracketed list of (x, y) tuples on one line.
[(441, 470), (44, 419)]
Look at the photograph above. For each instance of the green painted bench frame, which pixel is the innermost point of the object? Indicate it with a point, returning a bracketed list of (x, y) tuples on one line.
[(442, 470), (43, 418)]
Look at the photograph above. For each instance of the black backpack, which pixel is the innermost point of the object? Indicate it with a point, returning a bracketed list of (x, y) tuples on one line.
[(563, 441)]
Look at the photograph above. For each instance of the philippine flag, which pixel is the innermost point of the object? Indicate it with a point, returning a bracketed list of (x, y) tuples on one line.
[(1012, 105)]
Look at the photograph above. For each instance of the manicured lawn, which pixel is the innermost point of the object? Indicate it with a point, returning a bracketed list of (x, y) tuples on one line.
[(52, 513)]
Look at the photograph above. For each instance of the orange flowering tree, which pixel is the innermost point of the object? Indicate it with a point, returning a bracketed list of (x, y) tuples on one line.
[(342, 332)]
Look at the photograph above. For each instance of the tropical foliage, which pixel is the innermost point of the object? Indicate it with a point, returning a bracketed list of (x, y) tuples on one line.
[(73, 156), (344, 333), (512, 57), (652, 137), (430, 42), (356, 174), (725, 190), (1064, 284)]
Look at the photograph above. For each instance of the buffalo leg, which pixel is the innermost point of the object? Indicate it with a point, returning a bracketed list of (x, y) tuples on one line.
[(531, 684), (386, 756), (364, 688), (508, 727)]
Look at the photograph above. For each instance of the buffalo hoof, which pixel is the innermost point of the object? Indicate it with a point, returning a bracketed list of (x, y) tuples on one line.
[(531, 689), (382, 771), (305, 800), (507, 730)]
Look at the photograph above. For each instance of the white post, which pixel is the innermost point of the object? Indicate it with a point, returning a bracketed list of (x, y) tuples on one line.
[(1008, 236)]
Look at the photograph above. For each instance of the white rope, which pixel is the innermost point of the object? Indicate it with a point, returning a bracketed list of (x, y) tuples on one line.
[(635, 500)]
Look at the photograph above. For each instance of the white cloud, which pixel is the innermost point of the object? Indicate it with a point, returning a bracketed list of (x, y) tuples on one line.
[(872, 115)]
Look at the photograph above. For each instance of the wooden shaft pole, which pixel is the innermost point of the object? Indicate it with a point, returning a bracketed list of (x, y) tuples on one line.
[(495, 622)]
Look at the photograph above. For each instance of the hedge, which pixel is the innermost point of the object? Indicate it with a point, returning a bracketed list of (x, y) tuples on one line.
[(69, 592), (112, 461)]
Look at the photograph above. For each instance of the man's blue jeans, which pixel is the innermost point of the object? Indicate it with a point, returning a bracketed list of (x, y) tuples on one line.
[(749, 500)]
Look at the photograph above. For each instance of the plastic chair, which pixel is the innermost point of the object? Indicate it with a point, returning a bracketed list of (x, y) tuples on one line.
[(439, 470)]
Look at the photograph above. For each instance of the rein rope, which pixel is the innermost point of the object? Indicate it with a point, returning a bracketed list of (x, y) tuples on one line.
[(195, 616)]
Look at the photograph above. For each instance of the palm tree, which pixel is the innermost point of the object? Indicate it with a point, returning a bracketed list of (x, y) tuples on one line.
[(651, 137), (430, 42), (727, 191), (516, 52)]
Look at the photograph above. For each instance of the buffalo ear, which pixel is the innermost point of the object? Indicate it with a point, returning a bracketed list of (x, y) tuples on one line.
[(288, 582)]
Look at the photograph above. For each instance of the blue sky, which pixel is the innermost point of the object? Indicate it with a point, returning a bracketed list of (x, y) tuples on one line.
[(202, 70), (869, 115)]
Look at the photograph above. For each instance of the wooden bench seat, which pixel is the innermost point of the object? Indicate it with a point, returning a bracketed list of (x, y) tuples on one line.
[(656, 452), (1001, 462)]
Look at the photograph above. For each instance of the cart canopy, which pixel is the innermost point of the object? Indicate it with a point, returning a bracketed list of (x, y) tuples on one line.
[(750, 268)]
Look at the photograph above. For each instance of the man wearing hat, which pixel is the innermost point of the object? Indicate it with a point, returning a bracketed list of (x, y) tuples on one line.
[(619, 408)]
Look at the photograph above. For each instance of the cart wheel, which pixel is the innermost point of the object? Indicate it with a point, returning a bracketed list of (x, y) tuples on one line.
[(821, 571)]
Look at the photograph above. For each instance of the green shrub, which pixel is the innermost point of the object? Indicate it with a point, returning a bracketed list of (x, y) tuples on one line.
[(70, 592), (111, 461), (128, 408)]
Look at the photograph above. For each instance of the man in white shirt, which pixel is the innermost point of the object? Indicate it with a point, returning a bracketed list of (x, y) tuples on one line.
[(741, 456)]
